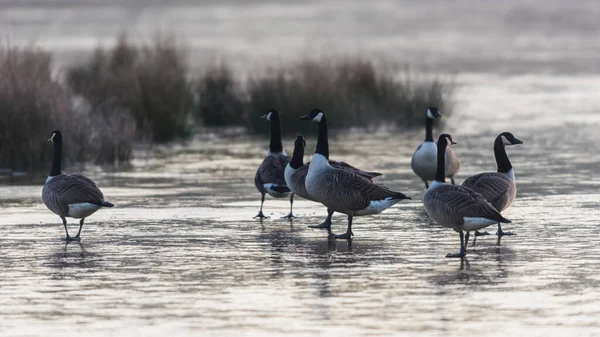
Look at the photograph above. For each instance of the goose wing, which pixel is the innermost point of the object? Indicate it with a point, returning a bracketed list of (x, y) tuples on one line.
[(454, 203), (345, 166), (271, 171), (493, 186), (346, 190), (71, 189)]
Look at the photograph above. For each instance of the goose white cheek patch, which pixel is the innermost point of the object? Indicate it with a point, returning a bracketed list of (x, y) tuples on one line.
[(318, 117), (505, 141), (269, 116)]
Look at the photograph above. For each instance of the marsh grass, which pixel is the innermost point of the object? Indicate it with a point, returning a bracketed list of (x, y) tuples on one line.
[(352, 92), (147, 80), (33, 103)]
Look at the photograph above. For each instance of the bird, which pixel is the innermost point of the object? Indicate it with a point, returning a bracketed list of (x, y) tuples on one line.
[(457, 207), (498, 188), (341, 190), (424, 159), (269, 175), (296, 170), (74, 195)]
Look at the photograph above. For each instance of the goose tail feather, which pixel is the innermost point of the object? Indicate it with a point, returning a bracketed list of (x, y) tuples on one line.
[(107, 204)]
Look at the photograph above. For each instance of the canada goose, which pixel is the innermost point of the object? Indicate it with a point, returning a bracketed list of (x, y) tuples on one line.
[(424, 160), (74, 196), (341, 190), (269, 176), (296, 170), (499, 188), (457, 207)]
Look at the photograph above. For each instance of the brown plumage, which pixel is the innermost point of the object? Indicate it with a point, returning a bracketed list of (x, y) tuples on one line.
[(497, 188)]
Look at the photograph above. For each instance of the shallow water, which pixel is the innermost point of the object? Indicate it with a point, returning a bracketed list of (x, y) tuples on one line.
[(181, 254)]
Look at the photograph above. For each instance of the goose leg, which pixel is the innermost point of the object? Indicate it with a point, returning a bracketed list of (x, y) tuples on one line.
[(426, 184), (327, 223), (348, 233), (68, 237), (260, 213), (76, 237), (467, 240), (291, 215), (452, 180), (500, 232), (463, 251)]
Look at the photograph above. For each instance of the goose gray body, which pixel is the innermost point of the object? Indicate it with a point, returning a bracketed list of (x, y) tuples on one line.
[(296, 178), (347, 192), (269, 177), (424, 160), (341, 190), (74, 196), (499, 188), (457, 207)]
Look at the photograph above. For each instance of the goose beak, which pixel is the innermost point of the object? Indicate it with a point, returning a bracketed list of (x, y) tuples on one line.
[(305, 117), (453, 143), (517, 141), (264, 116), (49, 140)]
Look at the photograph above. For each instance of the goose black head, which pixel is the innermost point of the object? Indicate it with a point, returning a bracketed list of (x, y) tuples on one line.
[(507, 138), (300, 142), (271, 115), (315, 115), (433, 113), (446, 139), (56, 137)]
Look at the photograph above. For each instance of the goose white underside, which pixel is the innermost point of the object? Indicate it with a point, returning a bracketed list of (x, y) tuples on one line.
[(424, 161), (82, 210), (274, 193), (377, 206), (475, 223)]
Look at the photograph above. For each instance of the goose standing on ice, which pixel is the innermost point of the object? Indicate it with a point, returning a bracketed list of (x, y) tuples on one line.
[(498, 188), (296, 171), (341, 190), (74, 196), (424, 160), (457, 207), (269, 176)]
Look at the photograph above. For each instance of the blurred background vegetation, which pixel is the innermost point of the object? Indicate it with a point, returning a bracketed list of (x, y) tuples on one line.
[(146, 92)]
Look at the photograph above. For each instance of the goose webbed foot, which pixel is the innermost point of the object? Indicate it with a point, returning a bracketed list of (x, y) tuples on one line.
[(460, 254), (478, 233), (502, 233), (324, 225), (347, 235), (289, 216), (463, 250), (70, 238), (260, 215)]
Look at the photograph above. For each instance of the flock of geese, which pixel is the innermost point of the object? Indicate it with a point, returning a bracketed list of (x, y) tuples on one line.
[(339, 186), (343, 188)]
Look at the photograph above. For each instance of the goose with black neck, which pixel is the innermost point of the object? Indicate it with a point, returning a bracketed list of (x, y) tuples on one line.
[(74, 196), (457, 207), (341, 190), (269, 178), (296, 171), (498, 188), (424, 159)]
